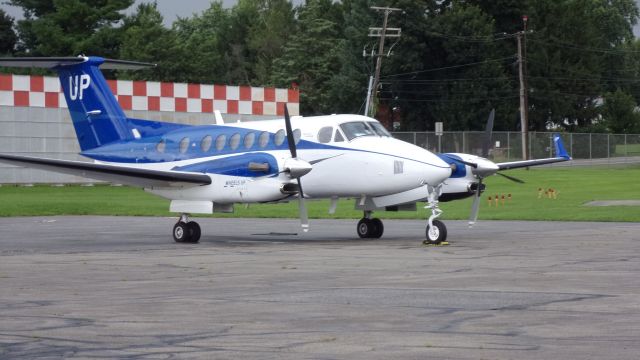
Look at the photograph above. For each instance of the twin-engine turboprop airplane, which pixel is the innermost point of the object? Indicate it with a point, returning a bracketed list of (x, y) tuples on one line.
[(206, 169)]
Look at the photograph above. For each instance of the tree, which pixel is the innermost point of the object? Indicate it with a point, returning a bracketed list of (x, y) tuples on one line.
[(620, 113), (70, 27), (8, 37), (311, 58), (144, 38)]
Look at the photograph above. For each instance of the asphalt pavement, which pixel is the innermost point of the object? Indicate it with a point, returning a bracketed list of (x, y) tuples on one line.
[(118, 287)]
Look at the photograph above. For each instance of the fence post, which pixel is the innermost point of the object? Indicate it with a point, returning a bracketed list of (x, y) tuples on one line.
[(415, 139), (571, 144), (508, 145), (590, 148), (608, 146)]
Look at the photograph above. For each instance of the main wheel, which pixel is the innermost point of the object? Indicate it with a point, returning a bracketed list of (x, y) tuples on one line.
[(378, 228), (194, 230), (365, 228), (181, 232), (438, 234)]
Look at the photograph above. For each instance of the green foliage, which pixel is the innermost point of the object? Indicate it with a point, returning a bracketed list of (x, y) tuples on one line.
[(8, 37), (454, 61), (620, 114), (70, 27)]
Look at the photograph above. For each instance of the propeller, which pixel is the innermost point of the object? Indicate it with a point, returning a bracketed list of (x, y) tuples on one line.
[(296, 168)]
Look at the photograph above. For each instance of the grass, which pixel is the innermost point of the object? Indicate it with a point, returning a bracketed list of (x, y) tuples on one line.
[(574, 187)]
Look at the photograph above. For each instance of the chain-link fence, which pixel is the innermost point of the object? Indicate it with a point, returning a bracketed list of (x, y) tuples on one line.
[(507, 146)]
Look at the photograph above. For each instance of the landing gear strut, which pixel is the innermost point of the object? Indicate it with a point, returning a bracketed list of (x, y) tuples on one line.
[(436, 231), (185, 231), (370, 228)]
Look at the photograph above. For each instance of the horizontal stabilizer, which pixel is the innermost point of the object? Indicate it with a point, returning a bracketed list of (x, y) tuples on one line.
[(111, 173), (52, 62)]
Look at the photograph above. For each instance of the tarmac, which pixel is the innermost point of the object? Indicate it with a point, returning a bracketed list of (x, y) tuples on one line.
[(119, 287)]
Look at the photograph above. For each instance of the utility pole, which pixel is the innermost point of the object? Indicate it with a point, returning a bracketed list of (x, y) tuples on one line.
[(382, 32), (524, 99)]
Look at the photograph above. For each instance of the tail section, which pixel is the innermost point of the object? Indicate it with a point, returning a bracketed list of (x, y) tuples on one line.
[(560, 150), (97, 117)]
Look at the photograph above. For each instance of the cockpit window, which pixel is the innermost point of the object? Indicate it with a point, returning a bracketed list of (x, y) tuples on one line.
[(356, 129), (379, 129), (338, 137)]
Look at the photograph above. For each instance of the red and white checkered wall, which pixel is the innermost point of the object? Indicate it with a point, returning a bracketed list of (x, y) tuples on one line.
[(44, 91)]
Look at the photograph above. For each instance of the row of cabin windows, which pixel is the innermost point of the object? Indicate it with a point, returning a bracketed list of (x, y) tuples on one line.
[(234, 141), (351, 130)]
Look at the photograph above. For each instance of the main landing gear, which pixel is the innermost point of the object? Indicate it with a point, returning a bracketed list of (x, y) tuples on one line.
[(436, 231), (370, 228), (185, 231)]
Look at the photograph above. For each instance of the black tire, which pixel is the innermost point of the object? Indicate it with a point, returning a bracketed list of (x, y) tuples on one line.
[(181, 232), (378, 228), (440, 233), (364, 228), (194, 231)]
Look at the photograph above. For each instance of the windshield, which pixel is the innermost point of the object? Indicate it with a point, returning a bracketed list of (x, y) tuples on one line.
[(356, 129), (379, 129)]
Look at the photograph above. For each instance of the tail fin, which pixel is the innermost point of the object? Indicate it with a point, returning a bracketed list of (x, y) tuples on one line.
[(560, 150), (97, 117)]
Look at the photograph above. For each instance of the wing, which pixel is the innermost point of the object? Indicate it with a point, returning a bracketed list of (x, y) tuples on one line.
[(561, 155), (112, 173), (527, 163)]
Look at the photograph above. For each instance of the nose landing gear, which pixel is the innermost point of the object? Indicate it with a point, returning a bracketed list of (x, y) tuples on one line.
[(185, 231), (436, 231)]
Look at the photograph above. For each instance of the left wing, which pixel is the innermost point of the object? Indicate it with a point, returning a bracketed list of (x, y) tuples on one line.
[(112, 173), (561, 155)]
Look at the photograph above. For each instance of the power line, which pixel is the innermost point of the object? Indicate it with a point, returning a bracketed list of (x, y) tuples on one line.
[(450, 67)]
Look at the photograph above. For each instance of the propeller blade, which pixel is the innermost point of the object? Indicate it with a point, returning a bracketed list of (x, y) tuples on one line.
[(511, 178), (475, 207), (487, 134), (290, 139), (302, 209)]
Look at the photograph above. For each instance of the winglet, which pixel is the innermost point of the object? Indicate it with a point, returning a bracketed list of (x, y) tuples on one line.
[(560, 150)]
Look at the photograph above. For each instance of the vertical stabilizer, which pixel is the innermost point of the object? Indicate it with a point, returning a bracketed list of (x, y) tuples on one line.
[(97, 117)]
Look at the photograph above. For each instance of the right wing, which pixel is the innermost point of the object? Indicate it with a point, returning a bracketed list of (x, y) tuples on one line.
[(561, 155), (112, 173)]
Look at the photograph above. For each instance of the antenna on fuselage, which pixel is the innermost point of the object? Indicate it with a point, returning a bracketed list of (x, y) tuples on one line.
[(218, 117)]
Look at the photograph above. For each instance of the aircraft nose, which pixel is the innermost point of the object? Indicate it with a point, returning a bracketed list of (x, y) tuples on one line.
[(440, 171)]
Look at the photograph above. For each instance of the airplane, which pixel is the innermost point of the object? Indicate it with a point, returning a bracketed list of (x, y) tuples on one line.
[(209, 168)]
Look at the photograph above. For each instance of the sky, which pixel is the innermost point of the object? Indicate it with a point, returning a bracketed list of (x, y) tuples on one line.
[(171, 9)]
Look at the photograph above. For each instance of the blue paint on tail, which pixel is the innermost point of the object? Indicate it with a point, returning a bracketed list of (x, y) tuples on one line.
[(97, 117), (560, 150)]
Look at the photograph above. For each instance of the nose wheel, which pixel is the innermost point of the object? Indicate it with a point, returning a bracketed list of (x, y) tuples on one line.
[(370, 228), (436, 233), (185, 231)]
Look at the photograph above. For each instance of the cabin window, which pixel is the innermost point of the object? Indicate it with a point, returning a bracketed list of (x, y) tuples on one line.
[(356, 129), (324, 135), (162, 145), (338, 137), (220, 141), (205, 144), (184, 145), (279, 137), (379, 129), (296, 136), (234, 141), (249, 139), (263, 139)]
